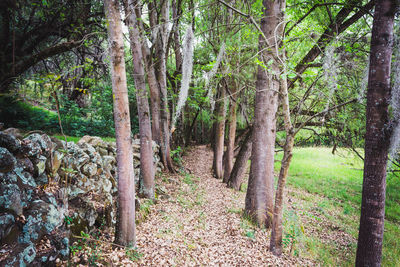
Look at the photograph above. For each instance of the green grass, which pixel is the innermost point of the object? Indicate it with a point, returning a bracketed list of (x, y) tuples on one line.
[(75, 139), (337, 179), (19, 114)]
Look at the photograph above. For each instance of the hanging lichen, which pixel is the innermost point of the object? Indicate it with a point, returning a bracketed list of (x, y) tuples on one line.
[(187, 68), (208, 76), (395, 99), (330, 70)]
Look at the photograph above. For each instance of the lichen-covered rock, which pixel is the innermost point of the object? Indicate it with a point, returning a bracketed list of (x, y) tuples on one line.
[(85, 192), (14, 132), (54, 164), (27, 212), (43, 144), (89, 169), (94, 141), (10, 142), (10, 198), (25, 164), (76, 157), (7, 160), (6, 223)]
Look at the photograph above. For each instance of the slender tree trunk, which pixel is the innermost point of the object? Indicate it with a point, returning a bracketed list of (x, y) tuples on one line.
[(176, 12), (151, 76), (259, 197), (377, 139), (161, 75), (240, 166), (154, 100), (230, 148), (276, 233), (219, 134), (146, 151), (191, 127), (125, 229)]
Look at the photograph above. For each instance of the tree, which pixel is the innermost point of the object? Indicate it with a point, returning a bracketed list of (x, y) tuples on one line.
[(240, 166), (146, 150), (276, 233), (259, 197), (337, 26), (219, 136), (230, 147), (33, 31), (377, 139), (161, 42), (125, 231)]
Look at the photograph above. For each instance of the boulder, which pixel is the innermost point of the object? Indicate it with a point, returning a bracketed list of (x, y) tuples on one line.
[(9, 142), (14, 132), (7, 160)]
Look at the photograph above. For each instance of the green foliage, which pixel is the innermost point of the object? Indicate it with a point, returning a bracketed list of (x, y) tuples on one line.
[(144, 210), (15, 113), (251, 234), (68, 220), (96, 119), (133, 254), (176, 155), (293, 232)]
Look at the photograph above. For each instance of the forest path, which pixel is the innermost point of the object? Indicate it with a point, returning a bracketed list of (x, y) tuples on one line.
[(200, 224)]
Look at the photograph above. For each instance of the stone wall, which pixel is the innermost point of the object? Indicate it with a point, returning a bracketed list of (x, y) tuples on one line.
[(50, 189)]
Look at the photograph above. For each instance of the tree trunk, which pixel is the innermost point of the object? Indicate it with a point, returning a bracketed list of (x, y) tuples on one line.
[(176, 13), (151, 78), (377, 139), (191, 127), (240, 166), (146, 151), (125, 229), (219, 134), (154, 100), (161, 75), (230, 148), (259, 197), (276, 233)]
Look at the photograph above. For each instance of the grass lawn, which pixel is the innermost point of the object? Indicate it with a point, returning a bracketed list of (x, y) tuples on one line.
[(335, 183)]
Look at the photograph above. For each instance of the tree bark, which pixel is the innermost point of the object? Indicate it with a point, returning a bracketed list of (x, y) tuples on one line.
[(276, 233), (230, 148), (260, 190), (151, 77), (146, 150), (176, 13), (219, 134), (377, 139), (161, 75), (154, 100), (125, 229), (240, 166)]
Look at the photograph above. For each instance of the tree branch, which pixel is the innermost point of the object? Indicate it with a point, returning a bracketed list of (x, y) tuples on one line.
[(323, 112), (337, 27)]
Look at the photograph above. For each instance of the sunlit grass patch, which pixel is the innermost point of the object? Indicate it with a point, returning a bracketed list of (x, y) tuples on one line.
[(334, 182)]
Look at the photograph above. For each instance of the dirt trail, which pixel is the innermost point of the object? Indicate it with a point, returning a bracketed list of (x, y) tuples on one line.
[(199, 223)]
